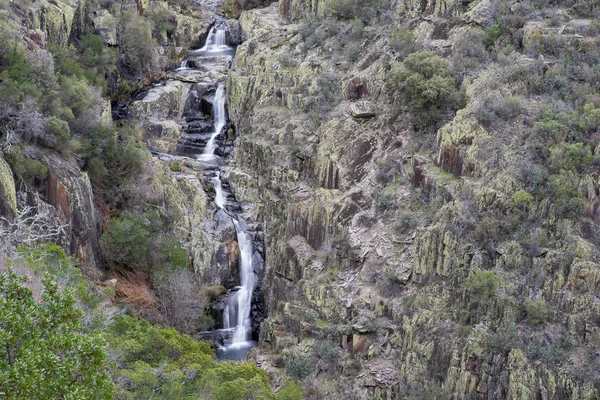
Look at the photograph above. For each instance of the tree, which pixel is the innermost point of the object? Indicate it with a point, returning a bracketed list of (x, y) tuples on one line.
[(424, 79), (43, 353), (138, 56)]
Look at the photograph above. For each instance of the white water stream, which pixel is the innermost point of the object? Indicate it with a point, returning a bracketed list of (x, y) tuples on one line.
[(216, 40), (219, 122)]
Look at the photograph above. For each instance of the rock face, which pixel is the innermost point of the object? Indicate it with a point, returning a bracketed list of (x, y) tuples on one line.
[(393, 290), (8, 195), (69, 190)]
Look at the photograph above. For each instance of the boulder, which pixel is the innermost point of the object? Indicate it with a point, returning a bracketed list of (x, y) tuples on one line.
[(363, 109), (235, 32)]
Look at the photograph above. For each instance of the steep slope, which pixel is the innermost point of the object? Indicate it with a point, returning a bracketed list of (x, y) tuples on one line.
[(400, 264)]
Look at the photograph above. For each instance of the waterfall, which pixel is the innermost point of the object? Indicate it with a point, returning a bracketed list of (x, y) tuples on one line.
[(240, 302), (216, 40), (209, 40), (220, 39), (219, 117), (219, 197)]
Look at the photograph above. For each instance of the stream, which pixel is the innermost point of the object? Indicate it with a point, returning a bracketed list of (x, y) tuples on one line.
[(203, 140)]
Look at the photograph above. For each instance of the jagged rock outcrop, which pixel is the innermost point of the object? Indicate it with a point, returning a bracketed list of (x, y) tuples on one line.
[(337, 256), (8, 195), (69, 190)]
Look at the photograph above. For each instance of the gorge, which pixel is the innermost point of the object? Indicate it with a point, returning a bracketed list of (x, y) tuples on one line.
[(326, 199)]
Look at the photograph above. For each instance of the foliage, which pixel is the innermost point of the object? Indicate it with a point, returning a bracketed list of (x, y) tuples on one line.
[(535, 311), (128, 240), (290, 390), (564, 189), (49, 258), (300, 366), (482, 284), (384, 199), (521, 197), (407, 222), (402, 41), (570, 157), (44, 354), (134, 239), (424, 79), (138, 56)]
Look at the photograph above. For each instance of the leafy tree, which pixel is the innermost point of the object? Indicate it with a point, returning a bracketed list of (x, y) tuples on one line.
[(44, 354), (535, 310), (424, 79), (136, 43), (127, 240), (482, 284)]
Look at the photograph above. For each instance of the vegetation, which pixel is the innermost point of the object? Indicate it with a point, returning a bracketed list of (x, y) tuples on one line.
[(44, 353), (425, 82)]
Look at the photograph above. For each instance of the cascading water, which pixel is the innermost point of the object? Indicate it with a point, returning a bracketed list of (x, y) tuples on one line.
[(221, 38), (243, 298), (237, 322), (219, 119), (216, 40), (219, 197)]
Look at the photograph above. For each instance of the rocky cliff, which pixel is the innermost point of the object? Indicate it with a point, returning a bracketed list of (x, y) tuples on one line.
[(374, 231)]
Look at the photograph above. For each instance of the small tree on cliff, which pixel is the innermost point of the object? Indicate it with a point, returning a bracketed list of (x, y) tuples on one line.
[(425, 83), (43, 354)]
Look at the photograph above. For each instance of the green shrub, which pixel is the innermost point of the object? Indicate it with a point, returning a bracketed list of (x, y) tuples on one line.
[(128, 240), (60, 129), (424, 79), (551, 129), (27, 169), (406, 222), (535, 311), (44, 354), (137, 45), (384, 199), (290, 390), (493, 34), (570, 157), (521, 198), (564, 189), (402, 41), (352, 51), (300, 366), (482, 284)]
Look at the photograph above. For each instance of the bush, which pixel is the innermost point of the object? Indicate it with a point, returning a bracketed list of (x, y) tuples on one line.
[(402, 41), (482, 284), (128, 240), (352, 51), (493, 34), (521, 198), (550, 129), (406, 222), (424, 79), (535, 311), (299, 366), (290, 390), (570, 157), (565, 192), (384, 199), (44, 354), (138, 57)]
